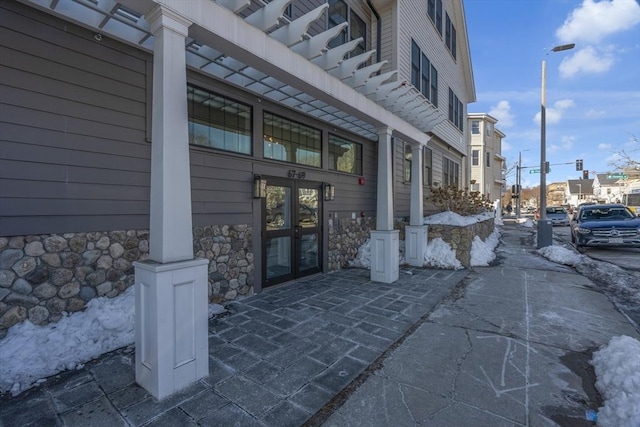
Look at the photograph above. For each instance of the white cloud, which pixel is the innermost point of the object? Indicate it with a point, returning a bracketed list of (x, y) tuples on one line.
[(592, 21), (603, 146), (502, 112), (595, 114), (554, 114), (588, 61), (505, 146), (566, 144)]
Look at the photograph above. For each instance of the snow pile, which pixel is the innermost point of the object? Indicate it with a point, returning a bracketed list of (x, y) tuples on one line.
[(363, 257), (440, 255), (482, 253), (617, 367), (452, 218), (561, 255), (30, 352), (527, 223)]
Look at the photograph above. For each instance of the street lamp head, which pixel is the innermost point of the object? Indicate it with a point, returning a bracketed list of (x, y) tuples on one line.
[(563, 47)]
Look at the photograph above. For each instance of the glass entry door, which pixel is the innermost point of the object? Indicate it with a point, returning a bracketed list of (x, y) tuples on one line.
[(292, 224)]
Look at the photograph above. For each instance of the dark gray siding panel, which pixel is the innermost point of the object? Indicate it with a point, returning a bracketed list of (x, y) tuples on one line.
[(221, 187), (73, 124), (402, 190)]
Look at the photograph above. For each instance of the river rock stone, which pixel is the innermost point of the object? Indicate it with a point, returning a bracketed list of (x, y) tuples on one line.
[(45, 291), (24, 266), (38, 315), (34, 249), (13, 316), (6, 278), (8, 257), (55, 244)]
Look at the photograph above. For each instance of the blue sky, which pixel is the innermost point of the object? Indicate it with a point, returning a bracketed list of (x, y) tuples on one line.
[(592, 91)]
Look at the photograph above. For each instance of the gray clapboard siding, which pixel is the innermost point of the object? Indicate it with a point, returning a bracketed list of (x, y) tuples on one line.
[(102, 144), (73, 124), (64, 173), (72, 207), (44, 224), (53, 155)]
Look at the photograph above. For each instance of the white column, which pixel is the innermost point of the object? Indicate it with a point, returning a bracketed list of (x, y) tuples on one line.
[(172, 348), (416, 233), (170, 231), (385, 241)]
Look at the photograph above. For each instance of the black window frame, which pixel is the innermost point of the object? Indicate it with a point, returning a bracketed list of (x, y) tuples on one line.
[(351, 18), (434, 12), (284, 134), (335, 140), (424, 76), (221, 124), (456, 111), (427, 177), (450, 173), (450, 36)]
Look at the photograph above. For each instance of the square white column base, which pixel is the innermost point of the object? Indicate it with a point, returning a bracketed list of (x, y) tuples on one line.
[(172, 346), (385, 253), (415, 244)]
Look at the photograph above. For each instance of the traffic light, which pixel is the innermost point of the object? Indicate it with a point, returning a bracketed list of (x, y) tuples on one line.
[(579, 164), (547, 169), (585, 174)]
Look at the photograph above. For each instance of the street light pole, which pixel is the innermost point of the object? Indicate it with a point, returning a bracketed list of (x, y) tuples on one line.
[(518, 183), (545, 229)]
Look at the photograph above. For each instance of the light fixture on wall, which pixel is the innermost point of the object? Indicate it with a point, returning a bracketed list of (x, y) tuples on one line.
[(436, 183), (329, 192), (259, 187)]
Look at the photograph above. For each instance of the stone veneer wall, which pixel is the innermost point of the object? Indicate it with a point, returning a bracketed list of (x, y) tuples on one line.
[(345, 237), (461, 237), (44, 276)]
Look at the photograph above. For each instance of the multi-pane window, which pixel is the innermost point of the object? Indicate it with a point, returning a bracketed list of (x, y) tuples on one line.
[(218, 122), (475, 127), (291, 141), (424, 75), (427, 157), (487, 156), (339, 12), (434, 10), (450, 36), (450, 172), (489, 129), (345, 156), (428, 167), (415, 65), (475, 157), (408, 159), (456, 111)]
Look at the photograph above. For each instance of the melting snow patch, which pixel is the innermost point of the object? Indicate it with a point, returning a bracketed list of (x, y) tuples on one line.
[(560, 255), (617, 367)]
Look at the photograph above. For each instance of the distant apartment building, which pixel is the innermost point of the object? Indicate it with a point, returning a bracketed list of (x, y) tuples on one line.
[(486, 163)]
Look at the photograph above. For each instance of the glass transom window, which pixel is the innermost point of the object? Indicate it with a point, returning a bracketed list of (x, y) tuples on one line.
[(218, 122), (291, 141), (345, 156)]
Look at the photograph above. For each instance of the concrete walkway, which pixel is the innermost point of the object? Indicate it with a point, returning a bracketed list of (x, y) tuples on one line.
[(511, 349), (503, 345)]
